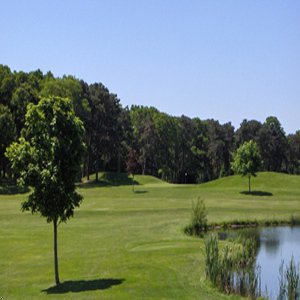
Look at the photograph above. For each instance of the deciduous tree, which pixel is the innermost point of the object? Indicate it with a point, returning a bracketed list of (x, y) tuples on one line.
[(47, 157), (247, 160)]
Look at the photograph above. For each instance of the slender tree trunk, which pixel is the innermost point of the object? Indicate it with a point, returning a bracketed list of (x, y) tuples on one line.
[(249, 181), (133, 182), (4, 170), (97, 169), (55, 253), (119, 160), (88, 169), (83, 169), (144, 167)]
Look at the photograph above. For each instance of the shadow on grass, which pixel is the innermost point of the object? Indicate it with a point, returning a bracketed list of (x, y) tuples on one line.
[(257, 193), (9, 188), (100, 183), (140, 192), (77, 286)]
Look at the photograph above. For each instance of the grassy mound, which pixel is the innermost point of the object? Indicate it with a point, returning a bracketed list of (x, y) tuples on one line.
[(118, 179)]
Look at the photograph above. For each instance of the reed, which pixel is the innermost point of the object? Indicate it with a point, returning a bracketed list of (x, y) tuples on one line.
[(289, 281), (232, 270)]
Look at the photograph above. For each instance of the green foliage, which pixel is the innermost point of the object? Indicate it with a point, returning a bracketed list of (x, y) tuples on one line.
[(177, 148), (294, 153), (47, 157), (246, 160), (273, 145), (199, 215), (198, 223), (7, 134)]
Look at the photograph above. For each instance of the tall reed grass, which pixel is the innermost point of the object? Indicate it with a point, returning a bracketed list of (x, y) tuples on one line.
[(289, 281), (232, 269)]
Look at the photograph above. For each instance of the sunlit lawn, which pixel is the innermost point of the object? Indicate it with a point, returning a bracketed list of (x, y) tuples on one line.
[(125, 245)]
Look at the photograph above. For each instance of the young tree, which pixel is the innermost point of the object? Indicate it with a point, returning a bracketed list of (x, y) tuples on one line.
[(47, 157), (246, 160)]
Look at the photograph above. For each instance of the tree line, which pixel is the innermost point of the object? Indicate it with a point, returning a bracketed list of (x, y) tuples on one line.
[(142, 139)]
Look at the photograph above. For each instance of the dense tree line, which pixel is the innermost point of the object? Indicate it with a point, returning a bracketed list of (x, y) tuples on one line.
[(177, 149)]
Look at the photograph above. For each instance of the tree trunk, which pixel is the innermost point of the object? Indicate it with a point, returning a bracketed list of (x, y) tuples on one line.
[(144, 167), (97, 169), (88, 168), (133, 182), (89, 160), (249, 179), (4, 170), (55, 253), (119, 160)]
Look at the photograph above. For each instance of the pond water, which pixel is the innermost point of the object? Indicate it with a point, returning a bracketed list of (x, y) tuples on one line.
[(276, 244)]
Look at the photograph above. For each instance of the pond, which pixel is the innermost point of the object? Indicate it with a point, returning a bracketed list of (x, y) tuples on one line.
[(277, 244)]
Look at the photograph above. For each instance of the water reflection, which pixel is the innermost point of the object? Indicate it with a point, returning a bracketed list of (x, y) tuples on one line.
[(276, 244), (270, 240)]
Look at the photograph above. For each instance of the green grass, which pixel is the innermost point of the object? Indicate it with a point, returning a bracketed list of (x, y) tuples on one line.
[(125, 245)]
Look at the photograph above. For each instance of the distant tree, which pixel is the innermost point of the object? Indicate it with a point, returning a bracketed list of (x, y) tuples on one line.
[(294, 153), (7, 85), (248, 130), (199, 149), (7, 134), (247, 160), (132, 164), (105, 127), (22, 96), (185, 156), (273, 145), (146, 137), (47, 157), (228, 138), (125, 139), (166, 146), (216, 149)]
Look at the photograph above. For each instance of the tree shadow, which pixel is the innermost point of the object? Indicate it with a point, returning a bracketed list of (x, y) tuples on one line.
[(140, 192), (9, 188), (76, 286), (257, 193), (100, 183)]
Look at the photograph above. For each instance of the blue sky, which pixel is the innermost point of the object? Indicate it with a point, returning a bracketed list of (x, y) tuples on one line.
[(227, 60)]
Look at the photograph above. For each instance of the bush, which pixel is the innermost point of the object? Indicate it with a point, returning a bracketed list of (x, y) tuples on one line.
[(198, 223)]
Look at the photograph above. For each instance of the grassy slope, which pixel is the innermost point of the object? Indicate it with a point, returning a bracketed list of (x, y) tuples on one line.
[(124, 245)]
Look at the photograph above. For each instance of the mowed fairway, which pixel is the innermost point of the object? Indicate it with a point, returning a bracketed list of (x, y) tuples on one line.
[(125, 245)]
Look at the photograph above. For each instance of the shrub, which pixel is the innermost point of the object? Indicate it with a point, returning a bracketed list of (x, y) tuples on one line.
[(198, 223)]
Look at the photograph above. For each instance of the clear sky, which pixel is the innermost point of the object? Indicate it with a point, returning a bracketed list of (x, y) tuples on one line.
[(227, 60)]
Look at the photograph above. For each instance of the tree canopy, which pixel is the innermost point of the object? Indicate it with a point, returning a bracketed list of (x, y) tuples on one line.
[(247, 160), (176, 148)]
